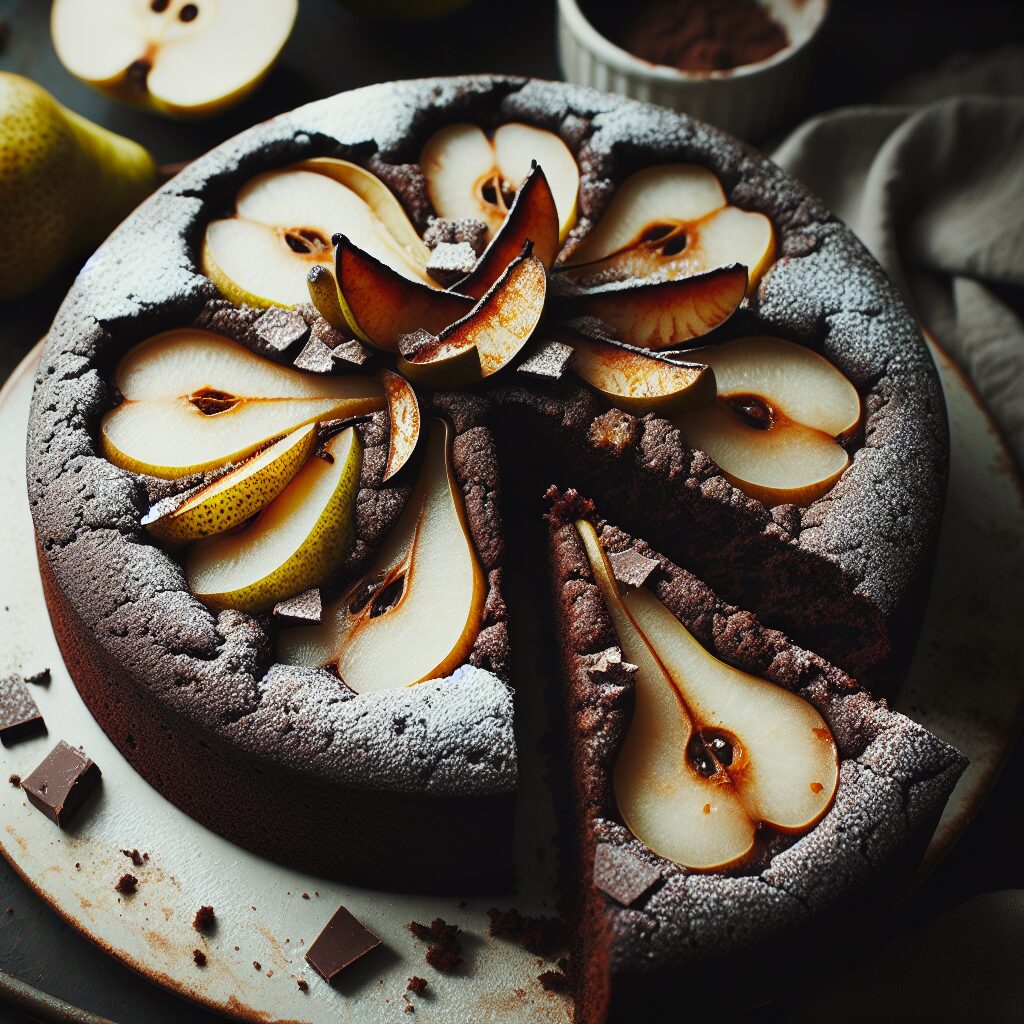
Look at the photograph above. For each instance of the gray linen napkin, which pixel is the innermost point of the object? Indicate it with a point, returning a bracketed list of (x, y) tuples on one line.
[(932, 181)]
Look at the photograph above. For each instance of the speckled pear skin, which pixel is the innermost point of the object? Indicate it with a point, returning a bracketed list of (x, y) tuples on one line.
[(239, 494), (705, 928), (846, 571), (64, 183)]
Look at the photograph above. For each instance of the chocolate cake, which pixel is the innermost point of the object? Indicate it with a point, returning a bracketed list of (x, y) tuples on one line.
[(220, 704), (646, 925)]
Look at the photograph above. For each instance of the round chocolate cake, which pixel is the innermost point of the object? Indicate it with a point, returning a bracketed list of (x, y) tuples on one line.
[(301, 370)]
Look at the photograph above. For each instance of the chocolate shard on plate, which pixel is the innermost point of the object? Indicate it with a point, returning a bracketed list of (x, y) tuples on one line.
[(343, 941), (547, 362), (19, 715), (622, 875), (279, 330), (59, 786), (302, 608), (632, 568)]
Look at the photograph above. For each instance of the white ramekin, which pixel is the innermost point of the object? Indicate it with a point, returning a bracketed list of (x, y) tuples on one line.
[(751, 101)]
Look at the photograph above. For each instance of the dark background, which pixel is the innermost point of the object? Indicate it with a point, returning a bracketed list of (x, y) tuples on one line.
[(866, 46)]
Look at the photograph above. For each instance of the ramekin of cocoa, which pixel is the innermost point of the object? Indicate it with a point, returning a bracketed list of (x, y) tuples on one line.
[(739, 64)]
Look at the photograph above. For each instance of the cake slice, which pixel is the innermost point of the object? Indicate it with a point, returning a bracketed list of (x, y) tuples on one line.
[(699, 726)]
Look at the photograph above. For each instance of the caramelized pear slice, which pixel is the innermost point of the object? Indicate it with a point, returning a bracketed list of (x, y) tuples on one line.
[(416, 613), (403, 421)]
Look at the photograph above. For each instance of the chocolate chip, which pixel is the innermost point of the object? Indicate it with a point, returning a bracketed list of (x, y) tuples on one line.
[(622, 875), (20, 716), (343, 941), (547, 362), (61, 783)]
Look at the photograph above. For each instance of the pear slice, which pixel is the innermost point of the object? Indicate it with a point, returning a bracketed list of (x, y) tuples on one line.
[(641, 382), (297, 542), (192, 401), (380, 305), (531, 218), (489, 337), (672, 221), (233, 498), (662, 314), (403, 421), (323, 293), (182, 59), (711, 751), (283, 225), (775, 429), (416, 613), (472, 176)]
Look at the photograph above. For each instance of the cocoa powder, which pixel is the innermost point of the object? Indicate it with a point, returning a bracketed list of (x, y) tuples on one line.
[(701, 35)]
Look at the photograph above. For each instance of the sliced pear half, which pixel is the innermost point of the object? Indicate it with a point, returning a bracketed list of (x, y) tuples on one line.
[(193, 401), (668, 222), (775, 429), (471, 175), (417, 611), (711, 751), (233, 498), (283, 225), (298, 541)]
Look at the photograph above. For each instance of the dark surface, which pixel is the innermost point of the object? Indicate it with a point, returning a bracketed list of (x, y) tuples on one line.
[(866, 46)]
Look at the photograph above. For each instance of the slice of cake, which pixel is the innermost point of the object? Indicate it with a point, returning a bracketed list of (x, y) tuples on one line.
[(738, 798)]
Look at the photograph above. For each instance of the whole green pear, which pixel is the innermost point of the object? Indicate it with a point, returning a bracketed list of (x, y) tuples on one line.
[(65, 183)]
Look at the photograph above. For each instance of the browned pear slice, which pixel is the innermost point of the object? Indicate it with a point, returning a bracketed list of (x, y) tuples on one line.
[(638, 381), (403, 420), (323, 293), (380, 305), (672, 221), (471, 175), (416, 613), (193, 401), (240, 493), (711, 752), (775, 429), (662, 314), (489, 337), (532, 218)]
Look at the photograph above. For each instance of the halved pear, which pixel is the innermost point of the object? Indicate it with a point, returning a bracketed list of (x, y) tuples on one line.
[(488, 338), (283, 225), (711, 751), (672, 221), (192, 401), (416, 612), (472, 176), (662, 314), (641, 382), (298, 541), (380, 305), (776, 426), (182, 59), (403, 420), (233, 498), (531, 218)]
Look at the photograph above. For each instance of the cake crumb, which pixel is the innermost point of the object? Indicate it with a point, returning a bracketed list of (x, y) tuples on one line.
[(444, 953), (199, 957), (257, 965), (15, 780), (305, 895), (553, 981), (134, 856), (127, 885), (538, 935), (417, 986), (302, 984), (204, 919)]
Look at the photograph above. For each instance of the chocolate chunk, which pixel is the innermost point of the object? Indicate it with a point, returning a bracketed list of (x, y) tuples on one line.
[(342, 942), (413, 343), (632, 568), (450, 262), (609, 665), (315, 357), (547, 362), (622, 875), (59, 786), (127, 885), (467, 231), (303, 608), (278, 330), (19, 715), (204, 919), (350, 353)]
